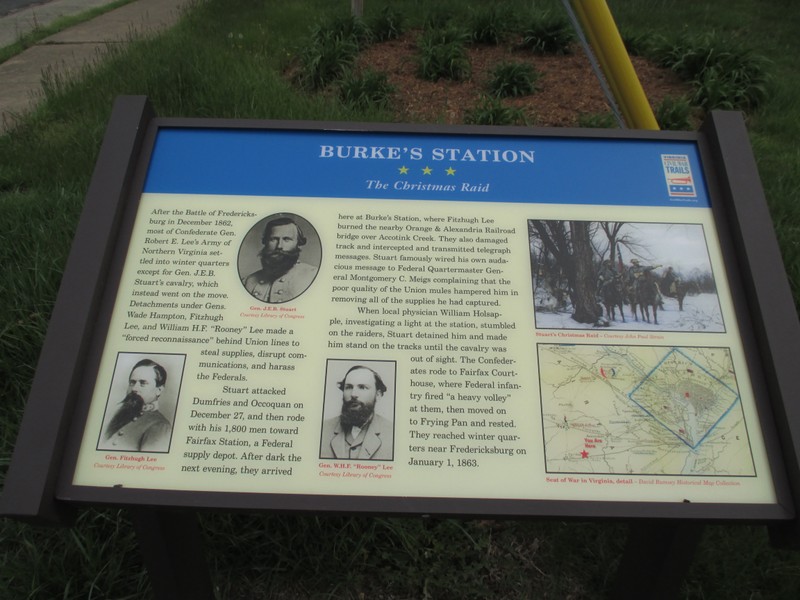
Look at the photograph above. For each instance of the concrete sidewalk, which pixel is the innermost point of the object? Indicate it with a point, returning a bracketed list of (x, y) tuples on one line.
[(67, 52), (41, 14)]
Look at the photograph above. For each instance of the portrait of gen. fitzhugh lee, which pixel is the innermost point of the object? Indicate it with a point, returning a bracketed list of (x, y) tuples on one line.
[(141, 406)]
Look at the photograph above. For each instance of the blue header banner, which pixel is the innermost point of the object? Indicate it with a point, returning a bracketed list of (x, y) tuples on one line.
[(412, 166)]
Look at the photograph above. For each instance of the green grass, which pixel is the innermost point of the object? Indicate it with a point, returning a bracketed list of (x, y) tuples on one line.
[(228, 59)]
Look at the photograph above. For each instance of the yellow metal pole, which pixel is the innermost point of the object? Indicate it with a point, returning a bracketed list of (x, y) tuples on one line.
[(596, 50), (600, 29)]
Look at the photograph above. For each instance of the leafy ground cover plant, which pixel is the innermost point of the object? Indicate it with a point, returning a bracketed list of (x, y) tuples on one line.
[(352, 28), (674, 114), (326, 58), (637, 43), (438, 16), (548, 33), (443, 55), (365, 90), (513, 79), (597, 120), (724, 74), (388, 25), (491, 111), (490, 24)]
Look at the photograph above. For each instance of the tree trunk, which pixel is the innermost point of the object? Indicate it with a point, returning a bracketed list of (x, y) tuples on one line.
[(584, 300)]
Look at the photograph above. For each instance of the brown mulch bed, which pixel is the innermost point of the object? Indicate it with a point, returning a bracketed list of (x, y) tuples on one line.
[(566, 89)]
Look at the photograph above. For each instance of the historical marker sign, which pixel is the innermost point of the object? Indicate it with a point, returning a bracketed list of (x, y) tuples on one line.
[(303, 316)]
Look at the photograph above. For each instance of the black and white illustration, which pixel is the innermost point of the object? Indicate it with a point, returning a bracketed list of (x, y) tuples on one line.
[(633, 276), (358, 414), (140, 410), (279, 258)]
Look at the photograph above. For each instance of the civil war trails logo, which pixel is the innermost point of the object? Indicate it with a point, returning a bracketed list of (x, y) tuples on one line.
[(678, 174)]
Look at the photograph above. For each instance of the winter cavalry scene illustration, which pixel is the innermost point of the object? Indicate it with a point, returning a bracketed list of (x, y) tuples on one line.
[(630, 276)]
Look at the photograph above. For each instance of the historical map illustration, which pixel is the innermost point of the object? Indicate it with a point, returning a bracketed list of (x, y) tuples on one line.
[(642, 410)]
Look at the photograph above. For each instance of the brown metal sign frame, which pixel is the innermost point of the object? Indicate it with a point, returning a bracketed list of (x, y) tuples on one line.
[(50, 434)]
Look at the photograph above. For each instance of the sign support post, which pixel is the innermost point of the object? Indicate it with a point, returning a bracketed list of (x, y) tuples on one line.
[(656, 559), (171, 545)]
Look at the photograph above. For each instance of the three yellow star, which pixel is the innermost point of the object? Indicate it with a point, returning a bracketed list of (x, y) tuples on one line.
[(427, 171)]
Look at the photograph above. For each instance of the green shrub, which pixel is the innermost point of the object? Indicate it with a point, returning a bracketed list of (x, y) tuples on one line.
[(451, 34), (491, 111), (597, 121), (387, 26), (673, 114), (728, 89), (438, 16), (547, 33), (347, 27), (331, 50), (442, 55), (490, 24), (325, 59), (723, 73), (513, 79), (637, 44), (365, 90)]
